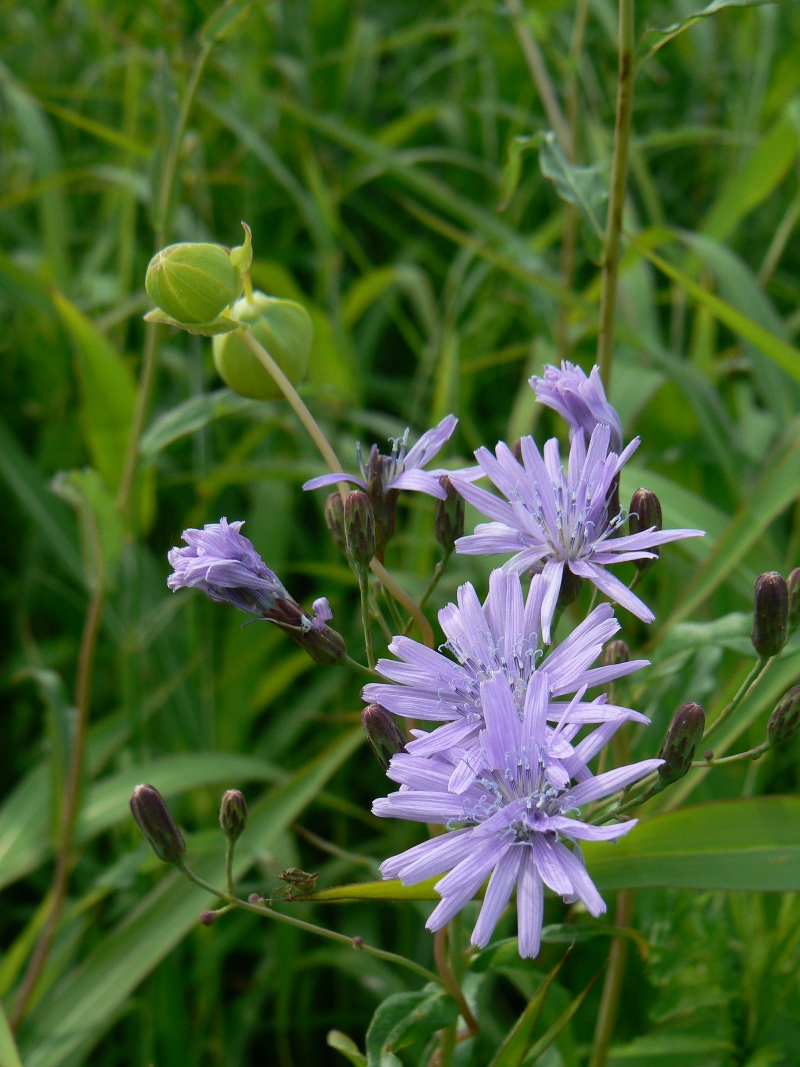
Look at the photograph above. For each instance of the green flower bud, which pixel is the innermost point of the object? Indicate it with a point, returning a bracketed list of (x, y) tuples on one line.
[(334, 520), (233, 813), (683, 736), (153, 818), (385, 737), (793, 587), (283, 327), (359, 529), (616, 652), (770, 615), (192, 283), (448, 516), (644, 514), (785, 719)]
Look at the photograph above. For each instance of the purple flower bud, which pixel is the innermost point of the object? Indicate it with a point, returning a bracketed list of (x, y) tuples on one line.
[(208, 918), (448, 516), (233, 813), (682, 738), (770, 615), (616, 652), (385, 737), (359, 530), (793, 587), (645, 514), (153, 818), (334, 519), (785, 719)]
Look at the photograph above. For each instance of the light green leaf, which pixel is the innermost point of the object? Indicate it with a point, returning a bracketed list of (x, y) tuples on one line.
[(655, 39), (192, 415), (512, 169), (512, 1051), (99, 520), (9, 1056), (342, 1043), (584, 187), (404, 1018), (219, 23)]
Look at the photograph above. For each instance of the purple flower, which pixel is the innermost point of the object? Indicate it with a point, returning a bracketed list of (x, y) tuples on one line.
[(551, 519), (581, 401), (382, 477), (500, 637), (223, 564), (513, 820)]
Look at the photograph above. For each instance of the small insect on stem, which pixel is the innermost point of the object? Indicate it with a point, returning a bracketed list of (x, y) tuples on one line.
[(297, 884)]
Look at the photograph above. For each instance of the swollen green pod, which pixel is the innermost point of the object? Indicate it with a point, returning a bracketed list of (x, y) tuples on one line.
[(192, 283), (283, 327)]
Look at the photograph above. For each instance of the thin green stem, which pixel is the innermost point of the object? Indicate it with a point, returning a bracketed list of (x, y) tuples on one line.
[(612, 986), (438, 574), (359, 668), (229, 851), (311, 426), (616, 202), (750, 754), (363, 589), (320, 931), (726, 713), (450, 982)]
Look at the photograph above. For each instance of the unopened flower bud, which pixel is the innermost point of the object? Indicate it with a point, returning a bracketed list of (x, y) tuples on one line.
[(571, 585), (283, 328), (153, 818), (683, 735), (448, 516), (359, 529), (233, 813), (785, 719), (793, 587), (645, 514), (192, 283), (334, 520), (616, 652), (385, 737), (208, 918), (770, 616)]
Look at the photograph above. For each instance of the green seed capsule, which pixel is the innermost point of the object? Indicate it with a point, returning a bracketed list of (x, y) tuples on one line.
[(192, 283), (283, 327)]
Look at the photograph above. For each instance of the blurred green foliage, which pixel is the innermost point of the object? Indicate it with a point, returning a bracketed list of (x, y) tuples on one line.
[(387, 158)]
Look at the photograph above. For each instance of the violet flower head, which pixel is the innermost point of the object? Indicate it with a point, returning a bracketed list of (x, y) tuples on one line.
[(223, 564), (513, 821), (552, 519), (497, 638), (581, 401), (382, 477)]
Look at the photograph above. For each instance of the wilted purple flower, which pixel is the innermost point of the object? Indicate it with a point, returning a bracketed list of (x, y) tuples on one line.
[(552, 519), (581, 401), (223, 564), (500, 637), (382, 477), (513, 820)]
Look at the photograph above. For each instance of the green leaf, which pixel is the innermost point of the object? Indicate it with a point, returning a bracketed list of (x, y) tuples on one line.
[(512, 169), (72, 1016), (9, 1056), (219, 24), (751, 844), (561, 1023), (512, 1052), (584, 187), (188, 417), (99, 521), (655, 39), (342, 1043), (404, 1018)]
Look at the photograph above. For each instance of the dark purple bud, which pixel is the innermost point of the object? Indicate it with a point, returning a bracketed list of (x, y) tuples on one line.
[(570, 590), (770, 615), (153, 818), (378, 471), (208, 918), (385, 737), (448, 516), (683, 736), (334, 519), (616, 652), (255, 898), (708, 754), (516, 448), (793, 586), (233, 814), (358, 941), (311, 632), (785, 719), (645, 514), (359, 530)]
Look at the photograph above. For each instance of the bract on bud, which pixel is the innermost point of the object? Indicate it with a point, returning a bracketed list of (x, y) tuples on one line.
[(616, 652), (385, 737), (153, 818), (448, 516), (770, 615), (233, 813), (192, 284), (334, 520), (785, 719), (283, 327), (359, 529), (793, 587), (682, 738), (645, 514)]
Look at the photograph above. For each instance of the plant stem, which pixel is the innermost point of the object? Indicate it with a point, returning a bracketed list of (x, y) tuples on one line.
[(359, 668), (438, 573), (612, 986), (300, 924), (229, 850), (740, 695), (750, 754), (363, 589), (616, 202), (450, 982), (320, 440)]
